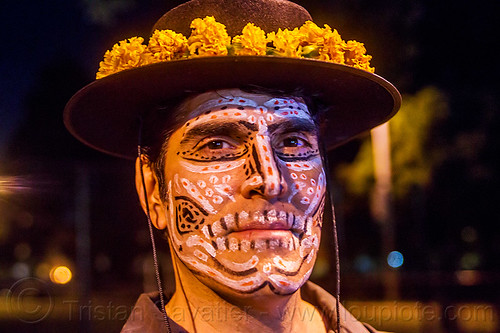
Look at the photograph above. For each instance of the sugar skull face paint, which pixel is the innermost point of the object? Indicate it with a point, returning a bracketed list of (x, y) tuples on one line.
[(246, 189)]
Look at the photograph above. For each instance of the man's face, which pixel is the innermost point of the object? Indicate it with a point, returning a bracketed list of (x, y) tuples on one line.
[(246, 189)]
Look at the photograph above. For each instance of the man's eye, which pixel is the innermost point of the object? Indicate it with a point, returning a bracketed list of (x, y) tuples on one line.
[(294, 142), (216, 148), (217, 144)]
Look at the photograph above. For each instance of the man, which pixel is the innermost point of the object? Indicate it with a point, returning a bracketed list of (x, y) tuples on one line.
[(229, 161)]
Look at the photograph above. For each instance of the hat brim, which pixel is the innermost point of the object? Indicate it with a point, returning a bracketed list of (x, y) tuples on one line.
[(104, 114)]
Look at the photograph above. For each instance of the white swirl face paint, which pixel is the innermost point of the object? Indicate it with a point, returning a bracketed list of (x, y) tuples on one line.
[(246, 192)]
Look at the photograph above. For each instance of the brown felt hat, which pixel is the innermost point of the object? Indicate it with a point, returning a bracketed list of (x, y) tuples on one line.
[(105, 113)]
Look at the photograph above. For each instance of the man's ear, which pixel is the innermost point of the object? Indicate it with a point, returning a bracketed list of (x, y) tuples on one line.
[(152, 192)]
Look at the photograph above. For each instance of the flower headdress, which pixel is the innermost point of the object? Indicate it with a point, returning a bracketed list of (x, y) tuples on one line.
[(210, 38)]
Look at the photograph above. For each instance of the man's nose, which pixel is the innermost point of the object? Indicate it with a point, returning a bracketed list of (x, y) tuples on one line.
[(266, 180)]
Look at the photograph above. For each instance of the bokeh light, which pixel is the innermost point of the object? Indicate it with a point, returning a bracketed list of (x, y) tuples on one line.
[(468, 277), (60, 275), (469, 234), (470, 260), (20, 270), (364, 263), (395, 259)]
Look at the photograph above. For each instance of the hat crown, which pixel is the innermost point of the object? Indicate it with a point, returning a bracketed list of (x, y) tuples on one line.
[(269, 15)]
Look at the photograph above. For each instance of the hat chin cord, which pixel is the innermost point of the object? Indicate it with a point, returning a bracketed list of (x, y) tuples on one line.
[(151, 235), (153, 243), (334, 232)]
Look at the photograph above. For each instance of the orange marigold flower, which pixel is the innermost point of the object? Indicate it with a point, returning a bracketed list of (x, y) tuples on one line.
[(124, 55), (326, 43), (252, 41), (312, 34), (167, 45), (333, 47), (208, 38), (286, 42), (355, 56)]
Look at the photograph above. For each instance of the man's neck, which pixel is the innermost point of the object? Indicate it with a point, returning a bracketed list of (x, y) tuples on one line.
[(198, 308)]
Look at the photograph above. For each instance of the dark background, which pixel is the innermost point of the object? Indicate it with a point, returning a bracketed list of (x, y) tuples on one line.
[(49, 182)]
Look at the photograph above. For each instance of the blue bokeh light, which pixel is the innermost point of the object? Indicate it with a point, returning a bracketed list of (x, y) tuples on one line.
[(395, 259)]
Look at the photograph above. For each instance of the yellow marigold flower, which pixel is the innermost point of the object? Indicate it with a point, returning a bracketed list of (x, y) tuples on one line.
[(326, 43), (252, 41), (286, 42), (355, 56), (167, 45), (124, 55), (333, 46), (208, 38), (312, 34)]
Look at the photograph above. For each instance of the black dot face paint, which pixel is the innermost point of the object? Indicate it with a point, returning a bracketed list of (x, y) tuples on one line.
[(248, 188)]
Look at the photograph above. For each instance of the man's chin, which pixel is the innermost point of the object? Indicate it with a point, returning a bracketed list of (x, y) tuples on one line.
[(269, 286), (266, 271), (252, 260)]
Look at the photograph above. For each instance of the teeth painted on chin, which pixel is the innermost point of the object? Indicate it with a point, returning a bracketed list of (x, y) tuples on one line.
[(221, 243), (273, 244), (299, 223), (205, 231), (217, 228), (282, 217), (271, 216), (260, 245), (243, 217), (259, 217), (245, 245), (233, 244), (290, 220), (309, 226), (229, 220)]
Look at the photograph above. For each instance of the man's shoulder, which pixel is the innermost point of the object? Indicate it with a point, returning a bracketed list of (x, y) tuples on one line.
[(326, 304), (146, 316)]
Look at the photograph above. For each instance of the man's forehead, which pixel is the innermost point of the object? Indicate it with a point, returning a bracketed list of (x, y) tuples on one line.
[(213, 100)]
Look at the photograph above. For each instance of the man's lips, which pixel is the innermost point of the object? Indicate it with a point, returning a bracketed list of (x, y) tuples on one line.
[(262, 231), (262, 221), (258, 233)]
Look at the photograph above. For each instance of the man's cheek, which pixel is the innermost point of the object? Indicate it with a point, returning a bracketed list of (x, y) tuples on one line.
[(306, 188), (207, 190), (196, 196), (189, 216)]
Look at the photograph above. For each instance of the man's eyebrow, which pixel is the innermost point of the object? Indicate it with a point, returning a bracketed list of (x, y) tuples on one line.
[(295, 125), (217, 128)]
